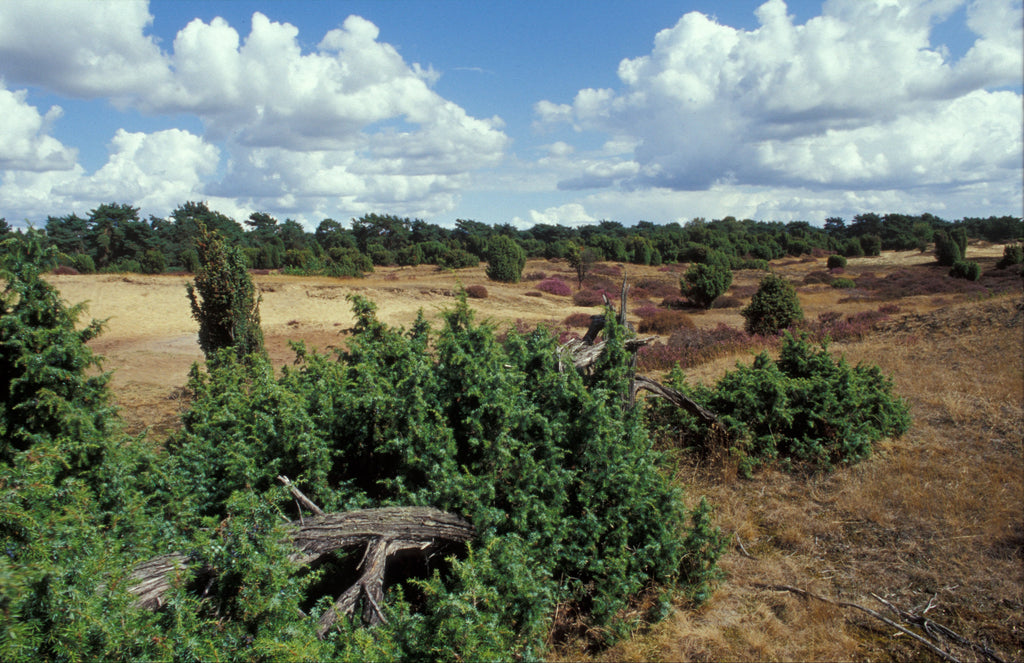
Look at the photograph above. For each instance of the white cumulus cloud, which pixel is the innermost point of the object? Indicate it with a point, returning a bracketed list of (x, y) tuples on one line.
[(24, 140), (855, 98), (350, 122)]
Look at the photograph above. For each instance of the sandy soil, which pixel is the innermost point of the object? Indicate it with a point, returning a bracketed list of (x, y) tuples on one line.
[(150, 338)]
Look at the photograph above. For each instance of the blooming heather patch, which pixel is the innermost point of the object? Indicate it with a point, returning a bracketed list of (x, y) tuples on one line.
[(591, 297), (555, 286), (692, 346)]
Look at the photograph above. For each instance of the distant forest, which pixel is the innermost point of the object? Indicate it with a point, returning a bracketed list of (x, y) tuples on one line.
[(114, 239)]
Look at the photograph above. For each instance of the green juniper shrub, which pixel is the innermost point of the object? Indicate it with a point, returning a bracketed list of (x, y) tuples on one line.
[(153, 262), (457, 259), (843, 283), (1013, 254), (774, 307), (703, 284), (72, 510), (965, 269), (559, 479), (836, 261), (871, 244), (947, 250), (505, 259), (804, 409), (223, 298)]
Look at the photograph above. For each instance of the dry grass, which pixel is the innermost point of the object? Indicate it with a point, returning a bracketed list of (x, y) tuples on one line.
[(937, 515), (934, 516)]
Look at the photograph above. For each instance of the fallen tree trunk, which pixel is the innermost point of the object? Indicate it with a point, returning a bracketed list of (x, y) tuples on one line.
[(384, 531)]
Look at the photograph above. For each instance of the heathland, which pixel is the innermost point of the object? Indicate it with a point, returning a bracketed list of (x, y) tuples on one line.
[(931, 521)]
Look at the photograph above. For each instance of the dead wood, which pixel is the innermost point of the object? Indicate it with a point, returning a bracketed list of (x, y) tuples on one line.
[(584, 352), (384, 532), (677, 398)]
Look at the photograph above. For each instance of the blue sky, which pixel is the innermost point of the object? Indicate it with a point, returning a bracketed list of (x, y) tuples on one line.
[(526, 112)]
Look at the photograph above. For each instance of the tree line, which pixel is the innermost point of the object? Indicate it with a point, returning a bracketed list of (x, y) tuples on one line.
[(113, 238)]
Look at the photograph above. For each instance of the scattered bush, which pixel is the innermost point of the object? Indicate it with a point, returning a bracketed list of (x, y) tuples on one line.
[(505, 260), (773, 308), (477, 291), (703, 284), (1013, 254), (534, 276), (966, 269), (836, 261), (805, 409), (947, 250), (843, 283), (555, 286), (64, 270)]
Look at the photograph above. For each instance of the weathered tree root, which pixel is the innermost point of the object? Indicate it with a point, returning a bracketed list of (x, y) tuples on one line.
[(384, 531)]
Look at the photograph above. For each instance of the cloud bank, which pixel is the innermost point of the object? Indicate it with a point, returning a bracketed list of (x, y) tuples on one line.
[(855, 100), (858, 109), (299, 132)]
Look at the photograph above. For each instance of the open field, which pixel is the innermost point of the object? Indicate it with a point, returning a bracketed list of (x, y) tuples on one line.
[(933, 518)]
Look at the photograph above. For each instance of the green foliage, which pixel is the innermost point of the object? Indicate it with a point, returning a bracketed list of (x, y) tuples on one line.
[(505, 260), (223, 298), (804, 409), (843, 283), (965, 269), (774, 307), (947, 249), (71, 508), (559, 479), (457, 259), (703, 284), (44, 390), (1013, 254), (836, 261), (872, 245), (153, 262)]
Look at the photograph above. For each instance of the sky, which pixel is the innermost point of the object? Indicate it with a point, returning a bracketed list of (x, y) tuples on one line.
[(565, 111)]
